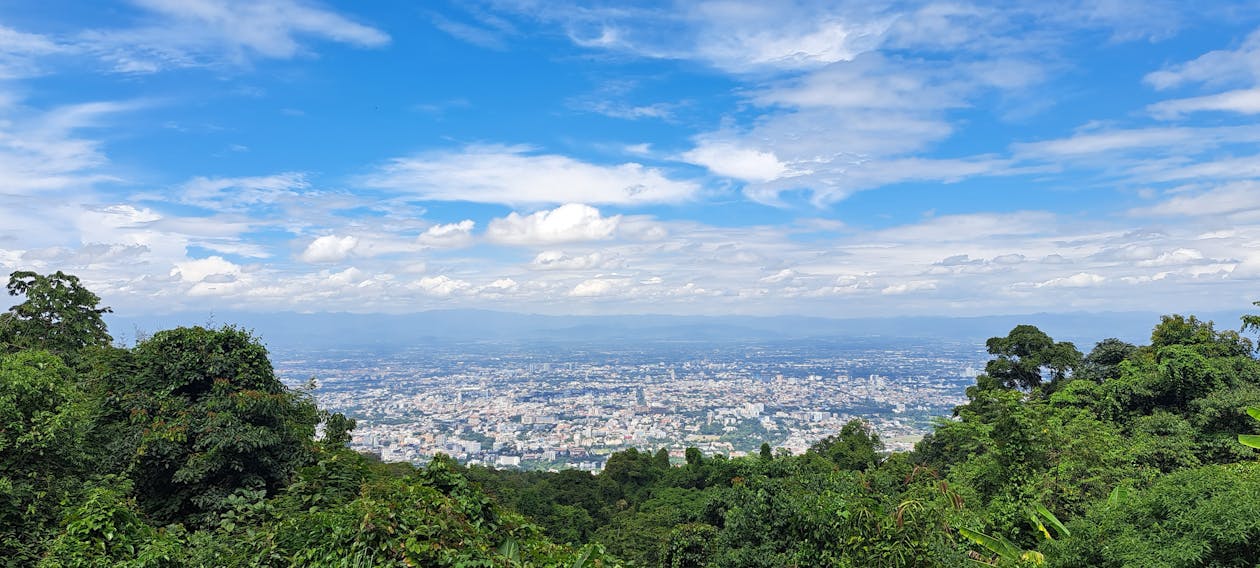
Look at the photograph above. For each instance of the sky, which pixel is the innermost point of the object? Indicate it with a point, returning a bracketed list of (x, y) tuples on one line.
[(839, 159)]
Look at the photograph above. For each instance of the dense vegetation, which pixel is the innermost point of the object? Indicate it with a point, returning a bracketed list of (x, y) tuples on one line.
[(185, 450)]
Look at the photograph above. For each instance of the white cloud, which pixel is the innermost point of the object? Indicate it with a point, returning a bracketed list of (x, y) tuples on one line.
[(870, 82), (41, 151), (514, 175), (851, 126), (20, 52), (329, 248), (971, 227), (559, 260), (1242, 101), (908, 287), (1214, 68), (1224, 200), (1078, 280), (442, 285), (243, 193), (726, 159), (449, 235), (786, 274), (568, 223), (744, 37), (349, 276), (1093, 143), (592, 287), (499, 287), (184, 33), (201, 270), (1176, 257)]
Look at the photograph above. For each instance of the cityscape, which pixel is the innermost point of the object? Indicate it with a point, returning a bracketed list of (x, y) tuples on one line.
[(562, 406)]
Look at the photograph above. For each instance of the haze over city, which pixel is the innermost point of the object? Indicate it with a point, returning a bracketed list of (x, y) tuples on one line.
[(832, 159)]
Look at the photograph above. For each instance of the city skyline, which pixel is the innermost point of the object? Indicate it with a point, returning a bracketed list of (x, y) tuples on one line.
[(709, 158)]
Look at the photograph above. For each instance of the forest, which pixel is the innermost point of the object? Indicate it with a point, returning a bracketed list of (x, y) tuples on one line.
[(185, 449)]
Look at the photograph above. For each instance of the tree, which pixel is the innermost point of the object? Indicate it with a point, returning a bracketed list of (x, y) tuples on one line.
[(766, 453), (43, 422), (694, 457), (337, 429), (1025, 354), (212, 420), (661, 458), (689, 546), (1103, 362), (59, 314), (1202, 335), (856, 447)]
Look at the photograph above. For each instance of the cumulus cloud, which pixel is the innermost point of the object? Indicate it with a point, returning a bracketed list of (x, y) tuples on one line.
[(1178, 257), (449, 235), (329, 248), (727, 159), (442, 285), (592, 287), (572, 222), (517, 175), (209, 276)]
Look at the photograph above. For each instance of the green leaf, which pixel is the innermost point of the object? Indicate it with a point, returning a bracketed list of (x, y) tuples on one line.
[(1118, 495), (510, 549), (1053, 520), (1033, 557), (1037, 524), (580, 561), (997, 545), (1250, 440), (1254, 411)]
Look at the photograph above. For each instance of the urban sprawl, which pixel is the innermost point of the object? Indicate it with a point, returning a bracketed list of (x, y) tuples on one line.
[(553, 407)]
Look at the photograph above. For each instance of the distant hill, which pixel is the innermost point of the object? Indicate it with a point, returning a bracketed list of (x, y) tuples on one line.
[(287, 329)]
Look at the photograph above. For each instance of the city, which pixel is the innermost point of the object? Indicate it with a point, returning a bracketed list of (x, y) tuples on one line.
[(559, 406)]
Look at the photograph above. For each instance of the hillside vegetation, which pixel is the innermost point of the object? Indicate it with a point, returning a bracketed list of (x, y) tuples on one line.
[(185, 450)]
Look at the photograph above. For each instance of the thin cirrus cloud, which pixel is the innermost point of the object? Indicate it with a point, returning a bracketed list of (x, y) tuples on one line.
[(180, 33), (47, 150), (1214, 68)]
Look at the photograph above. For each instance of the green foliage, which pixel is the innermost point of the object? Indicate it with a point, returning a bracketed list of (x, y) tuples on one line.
[(103, 529), (42, 430), (1025, 353), (1103, 362), (337, 429), (1207, 516), (211, 419), (187, 451), (58, 315), (856, 447), (1251, 440), (689, 546)]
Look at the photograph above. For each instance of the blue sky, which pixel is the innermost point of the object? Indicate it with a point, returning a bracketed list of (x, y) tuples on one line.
[(824, 158)]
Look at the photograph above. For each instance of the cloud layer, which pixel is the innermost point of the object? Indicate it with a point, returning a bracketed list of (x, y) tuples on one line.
[(712, 157)]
